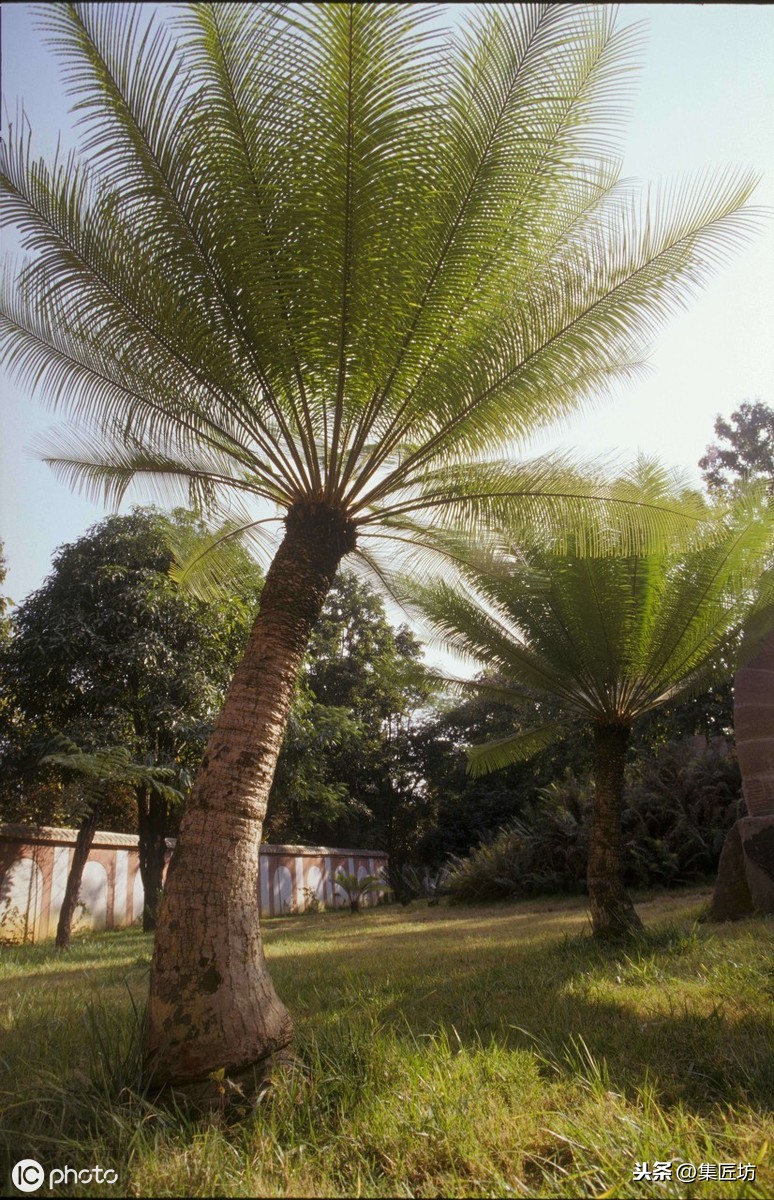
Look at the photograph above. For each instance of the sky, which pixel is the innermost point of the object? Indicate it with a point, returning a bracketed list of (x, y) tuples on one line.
[(705, 99)]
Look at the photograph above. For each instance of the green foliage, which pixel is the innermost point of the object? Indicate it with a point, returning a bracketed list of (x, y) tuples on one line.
[(744, 450), (681, 800), (544, 852), (5, 602), (109, 651), (107, 766), (680, 804), (455, 810), (356, 887), (608, 639), (409, 882), (356, 282), (342, 773)]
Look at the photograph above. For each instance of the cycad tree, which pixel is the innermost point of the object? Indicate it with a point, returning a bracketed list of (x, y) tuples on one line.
[(608, 638), (321, 265)]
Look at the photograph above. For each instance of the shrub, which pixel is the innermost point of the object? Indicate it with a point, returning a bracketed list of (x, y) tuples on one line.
[(544, 851), (681, 801)]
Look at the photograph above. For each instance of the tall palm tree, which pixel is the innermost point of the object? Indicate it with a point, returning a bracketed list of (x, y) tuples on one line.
[(609, 638), (329, 261)]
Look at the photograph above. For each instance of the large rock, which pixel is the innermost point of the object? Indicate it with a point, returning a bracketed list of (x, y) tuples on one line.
[(745, 883)]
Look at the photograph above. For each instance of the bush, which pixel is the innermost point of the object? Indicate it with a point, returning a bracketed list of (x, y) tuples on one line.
[(545, 851), (680, 803), (417, 883)]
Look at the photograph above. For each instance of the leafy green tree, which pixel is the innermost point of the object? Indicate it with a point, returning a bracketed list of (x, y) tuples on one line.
[(5, 602), (341, 773), (109, 651), (609, 639), (744, 450), (341, 290)]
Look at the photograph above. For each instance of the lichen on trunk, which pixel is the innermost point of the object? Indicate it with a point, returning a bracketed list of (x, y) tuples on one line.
[(212, 1002), (612, 912)]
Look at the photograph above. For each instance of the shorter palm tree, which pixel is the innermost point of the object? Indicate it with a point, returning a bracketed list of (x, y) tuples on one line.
[(609, 638), (356, 888)]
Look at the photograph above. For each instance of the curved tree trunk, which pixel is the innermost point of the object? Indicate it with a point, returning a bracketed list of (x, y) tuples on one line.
[(152, 820), (212, 1002), (86, 831), (612, 912)]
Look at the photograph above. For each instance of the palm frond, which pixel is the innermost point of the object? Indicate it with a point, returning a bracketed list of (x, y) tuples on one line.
[(208, 566), (518, 747), (550, 501), (327, 253)]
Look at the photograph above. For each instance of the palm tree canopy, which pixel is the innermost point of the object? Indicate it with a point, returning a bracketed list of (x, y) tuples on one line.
[(325, 254), (609, 637)]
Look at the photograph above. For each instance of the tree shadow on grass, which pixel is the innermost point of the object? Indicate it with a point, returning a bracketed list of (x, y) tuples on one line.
[(636, 1015), (631, 1016)]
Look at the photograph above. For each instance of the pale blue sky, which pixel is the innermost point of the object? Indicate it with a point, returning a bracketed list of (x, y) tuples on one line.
[(705, 99)]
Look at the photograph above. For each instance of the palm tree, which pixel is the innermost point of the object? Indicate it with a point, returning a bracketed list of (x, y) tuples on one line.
[(608, 638), (320, 265)]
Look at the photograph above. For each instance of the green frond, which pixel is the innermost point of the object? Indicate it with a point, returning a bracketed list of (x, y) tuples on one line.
[(328, 251), (615, 636), (504, 752), (208, 566), (110, 765), (548, 501)]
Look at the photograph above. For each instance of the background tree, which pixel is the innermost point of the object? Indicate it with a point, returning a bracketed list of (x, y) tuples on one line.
[(5, 601), (110, 651), (341, 776), (455, 811), (343, 290), (98, 772), (609, 639), (744, 450)]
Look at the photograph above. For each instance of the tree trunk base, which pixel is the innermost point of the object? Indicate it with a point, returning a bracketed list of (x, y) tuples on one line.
[(233, 1094), (613, 916), (745, 883)]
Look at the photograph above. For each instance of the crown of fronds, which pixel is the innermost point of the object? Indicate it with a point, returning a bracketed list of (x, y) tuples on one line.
[(328, 252)]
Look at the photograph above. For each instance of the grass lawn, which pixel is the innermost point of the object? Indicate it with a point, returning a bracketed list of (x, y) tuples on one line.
[(490, 1051)]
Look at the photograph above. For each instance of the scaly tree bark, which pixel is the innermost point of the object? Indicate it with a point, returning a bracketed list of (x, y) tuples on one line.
[(233, 1017), (612, 912)]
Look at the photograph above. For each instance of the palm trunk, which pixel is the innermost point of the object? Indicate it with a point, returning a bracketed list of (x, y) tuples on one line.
[(152, 815), (212, 1003), (612, 912), (86, 831)]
